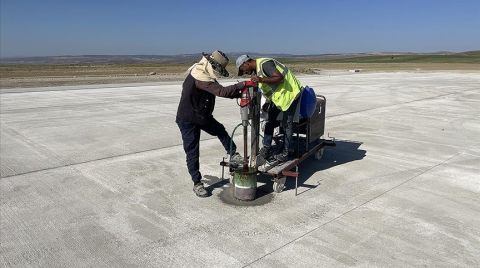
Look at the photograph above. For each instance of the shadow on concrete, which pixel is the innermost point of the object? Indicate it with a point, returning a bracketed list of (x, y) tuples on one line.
[(213, 183), (263, 195), (216, 182), (343, 152)]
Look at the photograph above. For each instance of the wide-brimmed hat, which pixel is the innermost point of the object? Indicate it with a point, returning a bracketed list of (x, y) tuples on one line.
[(219, 61), (241, 60)]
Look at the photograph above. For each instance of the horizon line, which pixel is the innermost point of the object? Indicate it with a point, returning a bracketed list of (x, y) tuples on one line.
[(251, 53)]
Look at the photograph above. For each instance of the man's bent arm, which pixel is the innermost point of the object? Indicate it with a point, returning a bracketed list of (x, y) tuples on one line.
[(216, 89)]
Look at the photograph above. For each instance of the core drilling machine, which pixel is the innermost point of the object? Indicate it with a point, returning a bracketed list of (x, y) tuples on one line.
[(308, 132), (245, 175)]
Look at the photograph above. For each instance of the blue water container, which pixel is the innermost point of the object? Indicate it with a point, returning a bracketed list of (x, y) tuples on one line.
[(308, 102)]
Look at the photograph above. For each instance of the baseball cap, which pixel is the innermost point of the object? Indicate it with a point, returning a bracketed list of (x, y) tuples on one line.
[(241, 60)]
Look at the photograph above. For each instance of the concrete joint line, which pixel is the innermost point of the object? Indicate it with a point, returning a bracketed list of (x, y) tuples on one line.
[(350, 210), (100, 159), (94, 160)]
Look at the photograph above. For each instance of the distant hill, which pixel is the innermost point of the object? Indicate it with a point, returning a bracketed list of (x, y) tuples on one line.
[(443, 57), (101, 59), (375, 57), (121, 59)]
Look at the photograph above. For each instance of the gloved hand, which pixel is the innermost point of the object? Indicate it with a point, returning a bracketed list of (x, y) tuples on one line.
[(249, 83), (255, 78), (240, 86)]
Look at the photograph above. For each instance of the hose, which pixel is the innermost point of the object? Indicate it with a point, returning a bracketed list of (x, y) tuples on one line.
[(233, 133), (231, 139)]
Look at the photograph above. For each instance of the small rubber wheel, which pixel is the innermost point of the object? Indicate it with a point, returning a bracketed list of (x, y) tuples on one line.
[(279, 185), (319, 154)]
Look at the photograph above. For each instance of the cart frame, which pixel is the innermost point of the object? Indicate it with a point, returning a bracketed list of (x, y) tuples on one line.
[(310, 132)]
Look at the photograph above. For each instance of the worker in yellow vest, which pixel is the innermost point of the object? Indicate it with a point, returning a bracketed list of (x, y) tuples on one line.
[(282, 91)]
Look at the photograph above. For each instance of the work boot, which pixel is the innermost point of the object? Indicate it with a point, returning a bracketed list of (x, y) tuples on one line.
[(200, 190), (236, 159), (282, 157), (263, 155)]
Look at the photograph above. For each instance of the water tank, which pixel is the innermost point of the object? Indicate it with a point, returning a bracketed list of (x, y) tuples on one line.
[(307, 102)]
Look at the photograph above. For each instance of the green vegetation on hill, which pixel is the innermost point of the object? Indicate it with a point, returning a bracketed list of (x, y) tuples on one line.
[(464, 57), (49, 74)]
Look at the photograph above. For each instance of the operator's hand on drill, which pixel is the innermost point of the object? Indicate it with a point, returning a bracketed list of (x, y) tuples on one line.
[(246, 85), (255, 79), (240, 86), (250, 83)]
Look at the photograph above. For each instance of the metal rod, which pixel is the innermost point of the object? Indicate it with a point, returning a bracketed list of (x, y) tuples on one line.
[(245, 148), (298, 141), (296, 181), (223, 169), (255, 126)]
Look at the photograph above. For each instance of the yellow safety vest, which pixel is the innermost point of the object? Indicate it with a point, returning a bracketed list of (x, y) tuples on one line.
[(282, 95)]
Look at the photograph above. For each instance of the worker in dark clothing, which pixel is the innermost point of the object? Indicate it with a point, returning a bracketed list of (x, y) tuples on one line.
[(195, 112)]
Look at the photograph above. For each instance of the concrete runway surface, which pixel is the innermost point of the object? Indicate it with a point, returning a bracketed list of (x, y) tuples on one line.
[(95, 176)]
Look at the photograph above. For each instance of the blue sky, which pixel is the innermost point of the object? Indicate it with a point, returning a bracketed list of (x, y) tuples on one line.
[(68, 27)]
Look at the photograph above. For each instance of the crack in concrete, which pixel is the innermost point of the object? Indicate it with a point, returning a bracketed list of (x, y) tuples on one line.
[(352, 209), (94, 160), (154, 149)]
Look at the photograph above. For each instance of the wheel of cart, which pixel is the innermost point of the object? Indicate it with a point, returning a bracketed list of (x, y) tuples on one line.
[(279, 184), (308, 141), (319, 154)]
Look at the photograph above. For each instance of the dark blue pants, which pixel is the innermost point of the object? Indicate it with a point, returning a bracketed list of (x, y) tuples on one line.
[(272, 123), (191, 143)]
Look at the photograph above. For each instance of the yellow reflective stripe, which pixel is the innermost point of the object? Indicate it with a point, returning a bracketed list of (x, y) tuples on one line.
[(267, 93), (270, 92), (262, 61), (282, 67), (281, 95), (283, 70)]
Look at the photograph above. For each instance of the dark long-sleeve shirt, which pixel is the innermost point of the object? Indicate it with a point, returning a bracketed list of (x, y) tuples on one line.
[(216, 89), (198, 99)]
